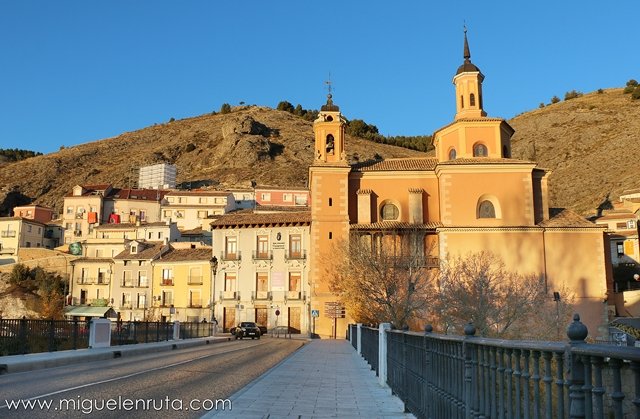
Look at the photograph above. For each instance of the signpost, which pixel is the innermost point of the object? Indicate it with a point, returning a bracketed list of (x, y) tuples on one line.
[(334, 310), (314, 314)]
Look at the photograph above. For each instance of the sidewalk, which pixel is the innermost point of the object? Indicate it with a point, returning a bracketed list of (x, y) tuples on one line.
[(325, 378), (29, 362)]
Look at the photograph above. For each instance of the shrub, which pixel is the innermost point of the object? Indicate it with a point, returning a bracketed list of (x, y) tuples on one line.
[(225, 108), (632, 83), (285, 106), (628, 89), (172, 119), (636, 93), (555, 99), (600, 91), (572, 95), (541, 105)]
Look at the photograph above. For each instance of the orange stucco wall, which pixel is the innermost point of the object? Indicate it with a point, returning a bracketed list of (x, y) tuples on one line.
[(395, 187)]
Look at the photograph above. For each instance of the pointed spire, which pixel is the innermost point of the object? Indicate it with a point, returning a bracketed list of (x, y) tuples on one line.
[(467, 53)]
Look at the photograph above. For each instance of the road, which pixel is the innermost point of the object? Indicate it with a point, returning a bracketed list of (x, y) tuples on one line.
[(167, 384)]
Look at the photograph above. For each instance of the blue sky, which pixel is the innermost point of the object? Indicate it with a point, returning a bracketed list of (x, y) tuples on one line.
[(77, 71)]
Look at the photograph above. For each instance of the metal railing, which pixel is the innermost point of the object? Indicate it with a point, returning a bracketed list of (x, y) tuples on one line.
[(196, 330), (7, 233), (126, 333), (230, 256), (299, 255), (23, 336), (442, 376), (257, 255)]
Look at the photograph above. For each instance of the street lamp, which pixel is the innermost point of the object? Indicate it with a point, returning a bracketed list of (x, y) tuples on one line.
[(556, 298)]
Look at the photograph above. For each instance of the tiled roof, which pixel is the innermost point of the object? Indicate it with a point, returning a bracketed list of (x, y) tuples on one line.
[(484, 160), (562, 217), (179, 255), (281, 188), (139, 194), (280, 208), (193, 232), (486, 119), (198, 193), (97, 187), (626, 215), (151, 250), (404, 164), (125, 226), (262, 219), (396, 225)]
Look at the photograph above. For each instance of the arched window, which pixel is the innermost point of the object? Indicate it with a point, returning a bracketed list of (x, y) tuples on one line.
[(389, 212), (486, 210), (330, 145), (452, 154), (472, 100), (480, 150), (461, 101), (505, 152)]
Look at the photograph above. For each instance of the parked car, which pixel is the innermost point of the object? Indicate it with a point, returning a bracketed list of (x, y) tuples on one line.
[(247, 329), (263, 329)]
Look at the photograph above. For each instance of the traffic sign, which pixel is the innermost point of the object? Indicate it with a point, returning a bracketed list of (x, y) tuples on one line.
[(315, 313)]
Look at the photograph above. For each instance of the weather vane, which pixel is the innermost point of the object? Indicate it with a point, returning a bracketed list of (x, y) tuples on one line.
[(328, 83)]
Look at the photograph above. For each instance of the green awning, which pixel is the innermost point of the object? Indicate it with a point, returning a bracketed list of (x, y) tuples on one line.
[(91, 312)]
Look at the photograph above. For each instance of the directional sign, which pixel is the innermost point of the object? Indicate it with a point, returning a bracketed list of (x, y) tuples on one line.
[(315, 313), (334, 310)]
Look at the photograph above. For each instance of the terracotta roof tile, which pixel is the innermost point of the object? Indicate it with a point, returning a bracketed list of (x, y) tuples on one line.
[(562, 217), (484, 160), (179, 255), (396, 225), (280, 208), (151, 250), (138, 194), (403, 164), (260, 219)]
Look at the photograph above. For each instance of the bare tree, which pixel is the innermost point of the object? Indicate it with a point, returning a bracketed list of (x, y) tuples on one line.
[(384, 278), (480, 289)]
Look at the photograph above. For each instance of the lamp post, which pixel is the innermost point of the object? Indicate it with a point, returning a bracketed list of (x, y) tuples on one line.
[(556, 298)]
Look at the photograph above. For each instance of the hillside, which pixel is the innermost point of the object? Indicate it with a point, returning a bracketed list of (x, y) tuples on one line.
[(590, 143), (251, 143)]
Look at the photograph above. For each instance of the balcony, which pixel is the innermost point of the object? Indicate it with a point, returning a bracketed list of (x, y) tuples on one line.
[(257, 255), (8, 233), (143, 284), (261, 295), (77, 233), (86, 280), (229, 295), (7, 250), (167, 282), (127, 284), (103, 281), (126, 306), (230, 256), (301, 255), (167, 302), (79, 216), (293, 295), (195, 303), (194, 280)]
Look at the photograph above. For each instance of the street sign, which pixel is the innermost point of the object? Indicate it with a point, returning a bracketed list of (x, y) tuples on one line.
[(334, 310), (277, 312), (315, 313)]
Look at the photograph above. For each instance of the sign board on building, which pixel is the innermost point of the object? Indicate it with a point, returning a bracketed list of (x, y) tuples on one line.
[(277, 281)]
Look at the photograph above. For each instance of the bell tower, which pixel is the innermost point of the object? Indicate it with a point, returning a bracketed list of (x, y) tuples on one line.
[(328, 185), (468, 82), (328, 129)]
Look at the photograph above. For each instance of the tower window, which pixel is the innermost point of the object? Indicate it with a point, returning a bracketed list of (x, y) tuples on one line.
[(330, 202), (472, 100), (330, 144), (330, 235), (452, 154), (480, 150), (461, 101), (486, 210)]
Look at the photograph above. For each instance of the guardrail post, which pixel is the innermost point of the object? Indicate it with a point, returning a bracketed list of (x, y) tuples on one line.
[(469, 332), (577, 332), (100, 333), (382, 353), (359, 337), (176, 330)]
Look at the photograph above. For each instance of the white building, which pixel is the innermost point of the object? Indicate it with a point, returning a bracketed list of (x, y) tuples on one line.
[(157, 176)]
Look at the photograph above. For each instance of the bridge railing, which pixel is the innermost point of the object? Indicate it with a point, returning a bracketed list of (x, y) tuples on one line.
[(446, 376)]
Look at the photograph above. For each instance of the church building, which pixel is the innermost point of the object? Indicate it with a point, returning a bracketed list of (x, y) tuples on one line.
[(471, 196)]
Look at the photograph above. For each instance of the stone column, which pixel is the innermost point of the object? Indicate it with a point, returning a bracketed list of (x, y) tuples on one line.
[(359, 337), (382, 353)]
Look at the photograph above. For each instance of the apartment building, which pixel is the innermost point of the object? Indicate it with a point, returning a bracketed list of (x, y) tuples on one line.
[(133, 273), (282, 197), (191, 209), (18, 232), (34, 212), (262, 270), (182, 284)]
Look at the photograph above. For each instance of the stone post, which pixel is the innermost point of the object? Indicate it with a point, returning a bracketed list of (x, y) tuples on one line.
[(382, 353), (176, 330), (100, 333), (359, 337), (577, 332)]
